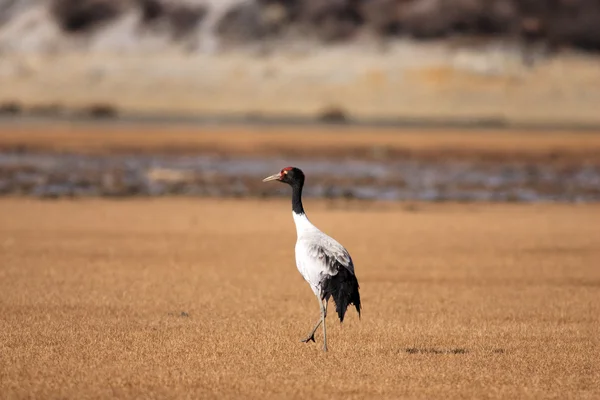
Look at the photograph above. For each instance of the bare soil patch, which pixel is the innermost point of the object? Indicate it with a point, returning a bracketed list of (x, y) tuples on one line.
[(316, 141)]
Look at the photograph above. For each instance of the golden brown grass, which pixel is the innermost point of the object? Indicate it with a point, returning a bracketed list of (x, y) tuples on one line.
[(304, 141), (201, 299)]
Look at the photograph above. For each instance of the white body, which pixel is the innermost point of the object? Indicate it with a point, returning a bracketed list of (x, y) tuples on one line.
[(318, 255)]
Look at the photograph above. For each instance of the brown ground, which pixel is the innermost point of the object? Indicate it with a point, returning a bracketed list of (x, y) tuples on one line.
[(460, 301), (359, 142)]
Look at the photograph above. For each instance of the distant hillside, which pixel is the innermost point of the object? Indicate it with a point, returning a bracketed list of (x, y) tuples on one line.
[(497, 61), (208, 25)]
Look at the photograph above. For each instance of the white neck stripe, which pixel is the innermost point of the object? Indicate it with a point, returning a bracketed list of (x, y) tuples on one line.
[(302, 223)]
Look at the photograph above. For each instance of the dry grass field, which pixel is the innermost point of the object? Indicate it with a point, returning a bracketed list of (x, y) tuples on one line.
[(182, 298)]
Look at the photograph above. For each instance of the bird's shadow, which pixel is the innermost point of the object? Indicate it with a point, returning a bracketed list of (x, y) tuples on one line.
[(433, 350)]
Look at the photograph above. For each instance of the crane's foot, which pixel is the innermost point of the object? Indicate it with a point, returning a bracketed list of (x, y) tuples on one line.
[(309, 338), (311, 335)]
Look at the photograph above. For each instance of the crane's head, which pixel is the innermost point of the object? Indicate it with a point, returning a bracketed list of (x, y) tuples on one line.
[(290, 175)]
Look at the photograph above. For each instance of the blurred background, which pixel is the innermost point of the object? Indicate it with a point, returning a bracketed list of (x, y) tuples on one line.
[(461, 100)]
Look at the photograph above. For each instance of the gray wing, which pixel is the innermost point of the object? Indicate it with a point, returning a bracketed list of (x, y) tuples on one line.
[(329, 253)]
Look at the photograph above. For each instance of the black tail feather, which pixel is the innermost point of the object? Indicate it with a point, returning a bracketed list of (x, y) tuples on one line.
[(343, 287)]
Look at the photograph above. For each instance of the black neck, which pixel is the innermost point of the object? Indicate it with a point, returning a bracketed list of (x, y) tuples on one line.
[(297, 199)]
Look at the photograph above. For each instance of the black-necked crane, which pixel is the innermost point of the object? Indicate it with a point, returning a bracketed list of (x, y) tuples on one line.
[(324, 263)]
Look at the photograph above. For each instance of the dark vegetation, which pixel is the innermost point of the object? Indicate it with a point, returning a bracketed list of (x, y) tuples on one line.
[(558, 23), (10, 108)]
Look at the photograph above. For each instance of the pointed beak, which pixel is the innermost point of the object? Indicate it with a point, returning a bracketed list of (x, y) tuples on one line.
[(272, 177)]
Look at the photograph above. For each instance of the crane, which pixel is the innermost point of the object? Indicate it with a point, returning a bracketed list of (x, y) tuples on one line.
[(323, 262)]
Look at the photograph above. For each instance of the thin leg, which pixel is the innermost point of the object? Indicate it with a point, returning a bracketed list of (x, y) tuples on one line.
[(311, 335), (323, 315)]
